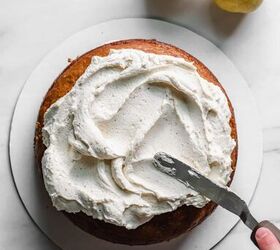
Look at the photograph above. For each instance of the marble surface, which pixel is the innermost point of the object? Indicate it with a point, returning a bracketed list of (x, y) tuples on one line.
[(29, 29)]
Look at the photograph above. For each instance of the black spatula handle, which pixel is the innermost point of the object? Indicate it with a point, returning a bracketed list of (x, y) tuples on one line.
[(267, 225)]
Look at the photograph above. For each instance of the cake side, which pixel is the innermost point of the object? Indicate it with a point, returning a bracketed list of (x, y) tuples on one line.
[(161, 227)]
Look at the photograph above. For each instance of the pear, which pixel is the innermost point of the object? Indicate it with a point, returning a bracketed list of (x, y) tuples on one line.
[(238, 6)]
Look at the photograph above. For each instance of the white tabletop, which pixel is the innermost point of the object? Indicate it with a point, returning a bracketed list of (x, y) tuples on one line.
[(29, 29)]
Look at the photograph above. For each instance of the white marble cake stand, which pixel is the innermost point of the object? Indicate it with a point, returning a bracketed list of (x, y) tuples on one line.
[(29, 185)]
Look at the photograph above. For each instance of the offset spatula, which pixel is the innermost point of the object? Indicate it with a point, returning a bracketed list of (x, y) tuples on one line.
[(220, 195)]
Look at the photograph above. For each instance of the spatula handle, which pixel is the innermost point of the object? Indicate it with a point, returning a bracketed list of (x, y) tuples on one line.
[(269, 226)]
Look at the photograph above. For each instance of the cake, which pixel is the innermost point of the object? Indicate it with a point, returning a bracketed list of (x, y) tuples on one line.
[(104, 118)]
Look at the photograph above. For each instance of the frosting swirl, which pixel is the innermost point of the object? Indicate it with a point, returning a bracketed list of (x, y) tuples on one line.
[(102, 135)]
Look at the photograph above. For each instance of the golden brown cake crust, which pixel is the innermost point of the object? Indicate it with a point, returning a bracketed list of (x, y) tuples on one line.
[(162, 227)]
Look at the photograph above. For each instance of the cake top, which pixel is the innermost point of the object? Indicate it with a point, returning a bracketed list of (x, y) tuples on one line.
[(102, 135)]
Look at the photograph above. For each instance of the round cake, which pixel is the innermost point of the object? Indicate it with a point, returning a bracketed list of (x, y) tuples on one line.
[(102, 121)]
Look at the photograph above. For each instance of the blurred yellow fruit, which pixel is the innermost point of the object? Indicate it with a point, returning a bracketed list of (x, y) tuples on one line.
[(238, 6)]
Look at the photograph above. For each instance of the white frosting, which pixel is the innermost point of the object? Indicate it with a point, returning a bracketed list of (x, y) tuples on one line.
[(102, 135)]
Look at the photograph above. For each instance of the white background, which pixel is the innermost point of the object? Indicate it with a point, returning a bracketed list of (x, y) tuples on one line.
[(29, 29)]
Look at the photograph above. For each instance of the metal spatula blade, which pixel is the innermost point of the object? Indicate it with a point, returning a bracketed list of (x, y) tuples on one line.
[(223, 196)]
